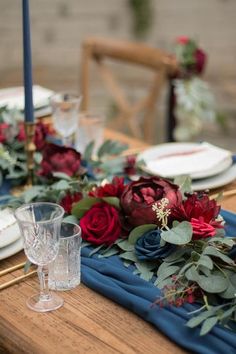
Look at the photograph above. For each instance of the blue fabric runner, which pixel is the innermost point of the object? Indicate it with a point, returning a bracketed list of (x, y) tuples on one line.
[(109, 277)]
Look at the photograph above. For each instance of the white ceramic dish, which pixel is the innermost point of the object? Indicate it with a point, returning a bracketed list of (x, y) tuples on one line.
[(199, 160), (11, 249), (219, 180), (9, 230)]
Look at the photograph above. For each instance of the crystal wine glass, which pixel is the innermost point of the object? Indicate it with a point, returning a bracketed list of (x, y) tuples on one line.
[(65, 115), (40, 225)]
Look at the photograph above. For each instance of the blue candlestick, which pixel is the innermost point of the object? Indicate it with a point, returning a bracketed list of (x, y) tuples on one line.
[(29, 109)]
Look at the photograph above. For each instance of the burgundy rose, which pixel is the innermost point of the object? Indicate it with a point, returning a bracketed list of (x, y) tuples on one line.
[(67, 201), (101, 224), (200, 58), (138, 198), (114, 189), (41, 132), (21, 133), (59, 159), (3, 129), (129, 167), (201, 212)]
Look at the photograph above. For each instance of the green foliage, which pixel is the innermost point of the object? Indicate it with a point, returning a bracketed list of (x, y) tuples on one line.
[(142, 16), (179, 234), (139, 231)]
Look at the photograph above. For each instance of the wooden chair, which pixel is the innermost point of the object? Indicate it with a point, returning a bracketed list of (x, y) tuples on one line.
[(161, 64)]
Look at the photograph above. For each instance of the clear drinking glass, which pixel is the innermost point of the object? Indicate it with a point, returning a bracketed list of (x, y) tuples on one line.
[(40, 225), (64, 271), (91, 128), (65, 114)]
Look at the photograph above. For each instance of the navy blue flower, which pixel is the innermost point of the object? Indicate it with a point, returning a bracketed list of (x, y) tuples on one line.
[(148, 247)]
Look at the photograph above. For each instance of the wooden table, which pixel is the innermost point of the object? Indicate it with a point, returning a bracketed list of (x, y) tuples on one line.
[(87, 323)]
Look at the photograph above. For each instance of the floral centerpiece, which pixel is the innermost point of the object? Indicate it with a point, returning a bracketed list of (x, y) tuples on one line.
[(169, 235), (194, 101)]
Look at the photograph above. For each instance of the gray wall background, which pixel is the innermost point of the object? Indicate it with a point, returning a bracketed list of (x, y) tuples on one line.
[(58, 27)]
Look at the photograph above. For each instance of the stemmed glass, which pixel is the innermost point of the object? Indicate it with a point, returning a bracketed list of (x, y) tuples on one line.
[(40, 225), (65, 114)]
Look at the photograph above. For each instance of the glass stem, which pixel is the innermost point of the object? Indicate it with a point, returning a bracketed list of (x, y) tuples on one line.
[(43, 280), (67, 141)]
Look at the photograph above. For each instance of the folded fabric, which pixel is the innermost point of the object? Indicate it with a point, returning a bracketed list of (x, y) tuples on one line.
[(109, 277)]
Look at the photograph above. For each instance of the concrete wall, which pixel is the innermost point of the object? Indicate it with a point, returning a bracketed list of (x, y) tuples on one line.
[(58, 26)]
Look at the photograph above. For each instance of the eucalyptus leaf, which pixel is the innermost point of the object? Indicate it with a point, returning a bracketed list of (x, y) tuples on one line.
[(171, 270), (197, 320), (184, 182), (61, 185), (180, 234), (214, 283), (80, 208), (176, 255), (125, 245), (139, 231), (208, 324), (32, 193), (205, 261), (70, 218), (114, 201), (222, 240), (27, 266), (145, 273), (211, 251), (164, 282), (230, 291), (109, 252), (87, 155), (130, 256), (95, 250), (61, 175)]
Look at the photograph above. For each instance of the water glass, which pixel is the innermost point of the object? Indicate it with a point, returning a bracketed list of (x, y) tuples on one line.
[(91, 128), (65, 114), (64, 271), (40, 225)]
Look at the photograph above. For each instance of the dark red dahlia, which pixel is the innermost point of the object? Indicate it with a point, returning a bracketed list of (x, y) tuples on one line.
[(69, 199), (202, 212), (114, 189)]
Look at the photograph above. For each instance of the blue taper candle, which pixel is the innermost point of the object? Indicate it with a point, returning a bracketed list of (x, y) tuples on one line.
[(29, 110)]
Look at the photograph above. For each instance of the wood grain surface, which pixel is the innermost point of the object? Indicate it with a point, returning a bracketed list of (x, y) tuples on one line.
[(87, 323)]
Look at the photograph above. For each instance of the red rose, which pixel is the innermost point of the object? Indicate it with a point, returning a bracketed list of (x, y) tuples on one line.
[(101, 224), (200, 58), (3, 128), (201, 212), (21, 133), (59, 159), (41, 132), (139, 196), (67, 201), (114, 189), (129, 168)]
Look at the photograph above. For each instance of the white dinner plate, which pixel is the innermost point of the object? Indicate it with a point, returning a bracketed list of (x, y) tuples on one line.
[(11, 249), (198, 160), (9, 230), (219, 180)]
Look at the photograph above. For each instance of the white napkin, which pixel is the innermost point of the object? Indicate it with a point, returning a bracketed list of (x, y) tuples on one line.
[(13, 97), (9, 230), (199, 161)]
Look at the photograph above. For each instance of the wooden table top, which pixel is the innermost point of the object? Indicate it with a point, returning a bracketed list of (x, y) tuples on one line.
[(87, 323)]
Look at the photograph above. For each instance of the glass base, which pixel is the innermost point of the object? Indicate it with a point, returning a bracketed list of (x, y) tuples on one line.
[(38, 304)]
